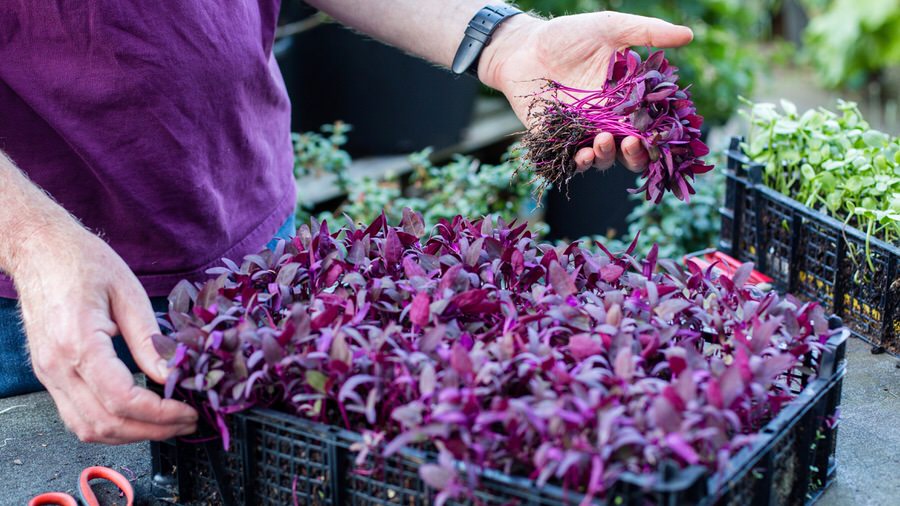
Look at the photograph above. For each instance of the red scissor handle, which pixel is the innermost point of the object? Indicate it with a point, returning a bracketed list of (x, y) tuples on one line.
[(84, 485), (104, 473), (55, 498), (728, 265)]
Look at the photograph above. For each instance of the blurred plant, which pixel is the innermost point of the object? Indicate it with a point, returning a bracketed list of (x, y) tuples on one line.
[(463, 186), (318, 153), (850, 42), (721, 61)]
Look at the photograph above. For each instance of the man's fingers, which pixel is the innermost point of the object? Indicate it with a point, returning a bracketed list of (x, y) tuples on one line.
[(133, 314), (112, 384), (584, 158), (633, 30), (604, 151), (633, 155), (85, 416)]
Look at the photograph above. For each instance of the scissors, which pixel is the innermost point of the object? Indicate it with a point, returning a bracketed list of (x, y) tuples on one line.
[(723, 263), (84, 486)]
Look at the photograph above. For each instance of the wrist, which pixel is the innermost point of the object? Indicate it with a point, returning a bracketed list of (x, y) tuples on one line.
[(28, 218), (41, 239), (509, 36)]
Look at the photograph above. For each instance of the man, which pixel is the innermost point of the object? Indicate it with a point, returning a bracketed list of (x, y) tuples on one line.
[(147, 140)]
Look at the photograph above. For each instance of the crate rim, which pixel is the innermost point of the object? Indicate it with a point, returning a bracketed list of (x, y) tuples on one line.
[(811, 394)]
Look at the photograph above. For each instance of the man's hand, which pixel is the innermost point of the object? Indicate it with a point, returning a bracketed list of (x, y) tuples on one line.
[(573, 50), (76, 293)]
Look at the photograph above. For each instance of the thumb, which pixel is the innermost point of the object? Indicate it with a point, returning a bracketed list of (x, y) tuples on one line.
[(133, 314), (632, 30)]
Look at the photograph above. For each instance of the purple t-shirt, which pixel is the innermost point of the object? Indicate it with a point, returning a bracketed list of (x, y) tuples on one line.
[(163, 126)]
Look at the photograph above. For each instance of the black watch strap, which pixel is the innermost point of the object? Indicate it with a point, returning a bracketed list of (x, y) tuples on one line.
[(478, 35)]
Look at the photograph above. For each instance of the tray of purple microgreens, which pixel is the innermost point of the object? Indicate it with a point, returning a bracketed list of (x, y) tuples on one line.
[(569, 365)]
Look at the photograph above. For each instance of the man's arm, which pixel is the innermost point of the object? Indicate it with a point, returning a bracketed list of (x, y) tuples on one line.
[(75, 294), (574, 50), (431, 29)]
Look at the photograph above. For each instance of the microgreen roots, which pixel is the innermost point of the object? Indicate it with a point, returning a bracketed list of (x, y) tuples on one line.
[(640, 99)]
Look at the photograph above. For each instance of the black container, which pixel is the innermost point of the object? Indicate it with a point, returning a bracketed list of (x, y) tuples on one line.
[(596, 203), (810, 254), (279, 459), (395, 102)]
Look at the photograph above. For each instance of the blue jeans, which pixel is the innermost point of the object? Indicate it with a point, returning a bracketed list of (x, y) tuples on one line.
[(16, 375)]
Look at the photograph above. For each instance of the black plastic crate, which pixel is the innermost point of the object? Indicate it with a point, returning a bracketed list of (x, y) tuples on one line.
[(280, 459), (810, 254)]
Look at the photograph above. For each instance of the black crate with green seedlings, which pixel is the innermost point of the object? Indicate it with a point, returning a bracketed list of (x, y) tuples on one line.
[(830, 161)]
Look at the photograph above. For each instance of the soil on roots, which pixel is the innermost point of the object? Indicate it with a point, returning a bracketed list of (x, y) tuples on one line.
[(551, 143)]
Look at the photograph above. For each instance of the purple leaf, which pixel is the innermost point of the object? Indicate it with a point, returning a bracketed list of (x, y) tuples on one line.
[(392, 247), (460, 360), (271, 350), (171, 382), (340, 351), (742, 274), (432, 338), (287, 273), (561, 281), (437, 477), (427, 380), (165, 346), (681, 448), (413, 223), (420, 311), (624, 365), (583, 345), (611, 272), (181, 297), (412, 269)]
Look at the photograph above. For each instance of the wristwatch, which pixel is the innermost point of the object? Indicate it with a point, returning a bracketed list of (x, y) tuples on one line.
[(478, 36)]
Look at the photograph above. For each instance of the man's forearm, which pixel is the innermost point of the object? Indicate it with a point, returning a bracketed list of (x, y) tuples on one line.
[(431, 29), (25, 212)]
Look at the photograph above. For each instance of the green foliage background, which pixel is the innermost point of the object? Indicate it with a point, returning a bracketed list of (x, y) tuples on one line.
[(462, 186), (849, 42)]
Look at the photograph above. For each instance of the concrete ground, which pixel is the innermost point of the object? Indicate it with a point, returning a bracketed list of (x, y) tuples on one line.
[(868, 450), (37, 454)]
